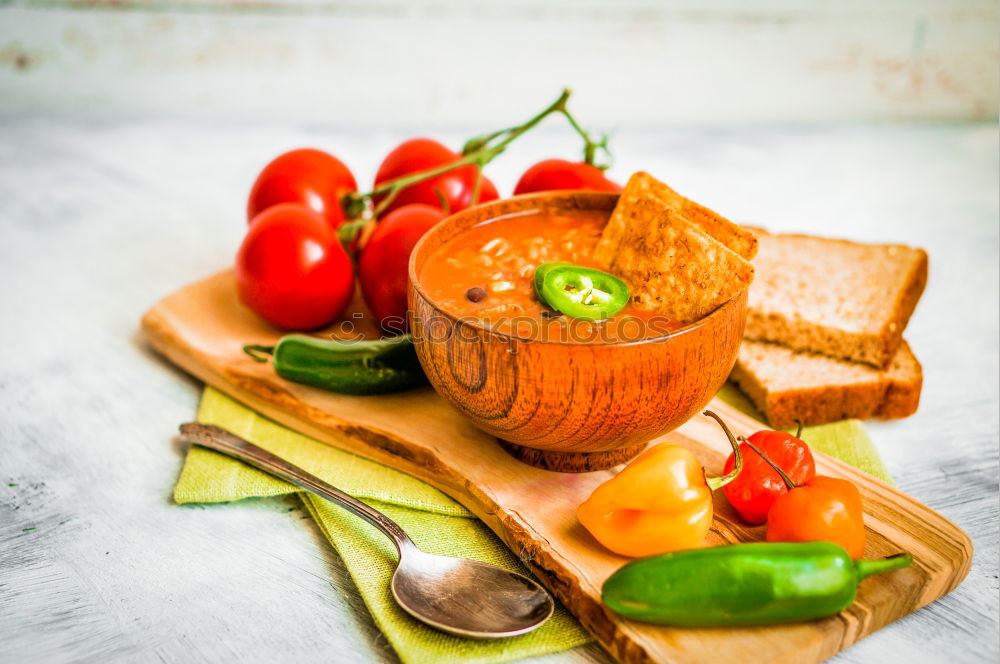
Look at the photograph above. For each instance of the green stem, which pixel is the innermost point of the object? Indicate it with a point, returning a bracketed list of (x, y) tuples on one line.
[(868, 567), (478, 142), (477, 185), (715, 483), (257, 352), (479, 151), (385, 202), (392, 188), (348, 231), (788, 480), (558, 106), (480, 157), (442, 201), (590, 146)]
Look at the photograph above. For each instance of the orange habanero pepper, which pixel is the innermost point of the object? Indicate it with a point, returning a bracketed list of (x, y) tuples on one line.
[(822, 509), (660, 502)]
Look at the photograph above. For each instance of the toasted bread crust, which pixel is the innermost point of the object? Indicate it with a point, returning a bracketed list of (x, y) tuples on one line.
[(891, 337), (856, 310), (906, 380), (788, 385)]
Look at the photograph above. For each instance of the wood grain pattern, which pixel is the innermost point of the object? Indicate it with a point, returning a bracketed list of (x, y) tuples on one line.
[(567, 398), (202, 327)]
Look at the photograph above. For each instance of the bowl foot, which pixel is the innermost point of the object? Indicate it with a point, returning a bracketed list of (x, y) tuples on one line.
[(571, 462)]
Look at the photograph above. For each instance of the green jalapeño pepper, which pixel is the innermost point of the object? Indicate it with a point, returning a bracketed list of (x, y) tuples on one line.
[(348, 367), (580, 292), (759, 583)]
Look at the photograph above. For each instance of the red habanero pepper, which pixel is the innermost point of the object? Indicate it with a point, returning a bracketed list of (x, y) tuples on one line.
[(823, 509), (753, 493)]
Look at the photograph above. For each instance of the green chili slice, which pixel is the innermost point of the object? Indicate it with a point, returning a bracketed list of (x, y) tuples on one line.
[(348, 367), (582, 292), (540, 273)]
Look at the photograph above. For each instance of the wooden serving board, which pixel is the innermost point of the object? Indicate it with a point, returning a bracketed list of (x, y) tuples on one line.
[(202, 328)]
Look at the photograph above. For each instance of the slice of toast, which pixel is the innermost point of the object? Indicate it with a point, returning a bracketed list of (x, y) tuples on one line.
[(672, 267), (844, 299), (787, 385)]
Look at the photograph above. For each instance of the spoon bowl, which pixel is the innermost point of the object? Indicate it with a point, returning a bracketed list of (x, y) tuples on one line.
[(455, 595), (467, 597)]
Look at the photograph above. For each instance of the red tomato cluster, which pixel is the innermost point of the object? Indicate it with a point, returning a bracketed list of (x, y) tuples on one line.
[(292, 269)]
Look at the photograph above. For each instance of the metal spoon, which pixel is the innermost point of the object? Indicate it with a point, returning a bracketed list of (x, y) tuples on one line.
[(455, 595)]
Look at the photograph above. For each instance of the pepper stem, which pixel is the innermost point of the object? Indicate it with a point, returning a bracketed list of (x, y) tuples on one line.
[(715, 483), (257, 352), (798, 432), (868, 567), (788, 480)]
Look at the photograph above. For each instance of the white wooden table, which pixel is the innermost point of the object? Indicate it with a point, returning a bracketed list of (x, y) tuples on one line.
[(97, 221)]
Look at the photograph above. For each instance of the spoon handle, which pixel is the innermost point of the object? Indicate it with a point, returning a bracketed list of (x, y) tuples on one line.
[(228, 443)]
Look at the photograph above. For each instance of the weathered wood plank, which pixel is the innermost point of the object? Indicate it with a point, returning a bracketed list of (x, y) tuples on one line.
[(633, 63)]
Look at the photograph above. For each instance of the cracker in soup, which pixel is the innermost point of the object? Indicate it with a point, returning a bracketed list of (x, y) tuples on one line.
[(672, 266), (735, 237)]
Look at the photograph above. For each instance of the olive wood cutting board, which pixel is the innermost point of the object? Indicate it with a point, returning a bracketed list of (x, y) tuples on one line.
[(203, 327)]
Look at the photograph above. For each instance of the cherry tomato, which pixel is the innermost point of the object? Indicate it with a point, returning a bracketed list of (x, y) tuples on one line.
[(292, 270), (421, 154), (311, 177), (384, 262), (554, 174), (758, 486)]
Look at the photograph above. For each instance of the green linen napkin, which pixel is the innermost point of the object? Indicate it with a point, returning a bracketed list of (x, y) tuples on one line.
[(436, 523)]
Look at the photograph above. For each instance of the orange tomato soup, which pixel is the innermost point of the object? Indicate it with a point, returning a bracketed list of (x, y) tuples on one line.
[(487, 275)]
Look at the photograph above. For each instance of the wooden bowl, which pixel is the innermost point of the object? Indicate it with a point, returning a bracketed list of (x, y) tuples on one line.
[(572, 407)]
